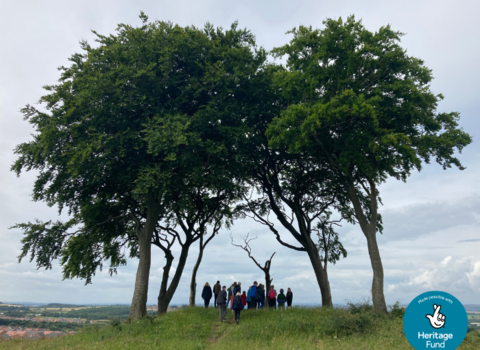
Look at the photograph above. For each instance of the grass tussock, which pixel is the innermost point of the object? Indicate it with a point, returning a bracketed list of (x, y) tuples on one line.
[(356, 327)]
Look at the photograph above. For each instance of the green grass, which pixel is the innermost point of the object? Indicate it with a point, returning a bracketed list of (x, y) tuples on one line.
[(199, 328)]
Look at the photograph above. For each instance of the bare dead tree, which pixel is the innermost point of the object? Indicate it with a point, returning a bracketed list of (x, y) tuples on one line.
[(265, 268)]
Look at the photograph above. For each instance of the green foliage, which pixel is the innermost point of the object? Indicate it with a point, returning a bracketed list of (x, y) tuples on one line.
[(149, 114), (397, 311), (473, 338), (364, 306), (358, 100)]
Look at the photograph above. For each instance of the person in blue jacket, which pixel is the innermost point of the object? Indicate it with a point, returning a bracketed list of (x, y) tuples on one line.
[(207, 294), (237, 306), (251, 294)]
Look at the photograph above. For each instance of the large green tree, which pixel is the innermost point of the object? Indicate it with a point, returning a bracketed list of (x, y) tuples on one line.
[(286, 185), (359, 103), (116, 141)]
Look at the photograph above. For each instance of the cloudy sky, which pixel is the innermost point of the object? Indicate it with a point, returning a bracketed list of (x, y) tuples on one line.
[(431, 238)]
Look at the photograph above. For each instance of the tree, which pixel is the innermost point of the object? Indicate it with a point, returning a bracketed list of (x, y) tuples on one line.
[(360, 104), (293, 187), (105, 146), (289, 189), (265, 268), (190, 221), (202, 150), (201, 247)]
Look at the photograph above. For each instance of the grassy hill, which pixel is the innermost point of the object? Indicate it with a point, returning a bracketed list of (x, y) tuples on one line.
[(199, 328)]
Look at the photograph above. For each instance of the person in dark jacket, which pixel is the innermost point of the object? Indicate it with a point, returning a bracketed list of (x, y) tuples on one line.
[(207, 294), (253, 291), (238, 288), (260, 296), (281, 299), (216, 289), (289, 298), (237, 306), (230, 294), (222, 303)]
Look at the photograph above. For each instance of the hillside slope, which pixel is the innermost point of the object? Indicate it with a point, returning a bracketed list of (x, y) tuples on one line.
[(199, 328)]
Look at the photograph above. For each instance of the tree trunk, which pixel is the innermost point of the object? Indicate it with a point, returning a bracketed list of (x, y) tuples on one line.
[(378, 296), (166, 295), (138, 308), (164, 283), (369, 229), (268, 283), (193, 282), (320, 273)]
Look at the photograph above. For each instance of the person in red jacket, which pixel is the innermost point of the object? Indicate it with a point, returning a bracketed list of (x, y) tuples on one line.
[(244, 298)]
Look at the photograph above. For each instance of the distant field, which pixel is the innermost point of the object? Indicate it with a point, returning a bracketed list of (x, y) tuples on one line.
[(66, 309)]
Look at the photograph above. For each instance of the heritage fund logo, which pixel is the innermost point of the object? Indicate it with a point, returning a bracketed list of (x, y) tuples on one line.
[(425, 321), (437, 320)]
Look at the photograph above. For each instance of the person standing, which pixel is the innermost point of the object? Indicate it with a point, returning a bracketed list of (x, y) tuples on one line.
[(230, 294), (244, 299), (281, 299), (252, 291), (222, 304), (207, 294), (216, 289), (272, 297), (237, 306), (260, 296), (249, 300), (238, 288), (289, 297)]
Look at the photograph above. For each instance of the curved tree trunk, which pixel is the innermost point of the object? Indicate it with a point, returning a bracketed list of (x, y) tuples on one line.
[(166, 294), (138, 308), (370, 231), (378, 296), (321, 275), (166, 273), (193, 282)]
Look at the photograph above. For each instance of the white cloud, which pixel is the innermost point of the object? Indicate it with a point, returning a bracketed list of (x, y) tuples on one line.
[(460, 277), (474, 276)]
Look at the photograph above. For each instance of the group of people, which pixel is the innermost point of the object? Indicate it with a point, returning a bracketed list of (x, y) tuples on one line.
[(253, 298)]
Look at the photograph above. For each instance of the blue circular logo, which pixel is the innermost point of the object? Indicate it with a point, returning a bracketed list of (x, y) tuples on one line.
[(435, 320)]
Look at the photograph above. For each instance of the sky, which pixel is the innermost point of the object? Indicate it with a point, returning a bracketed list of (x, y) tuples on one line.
[(431, 238)]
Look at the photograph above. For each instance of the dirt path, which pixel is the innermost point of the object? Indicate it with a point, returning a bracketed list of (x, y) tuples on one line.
[(220, 329)]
